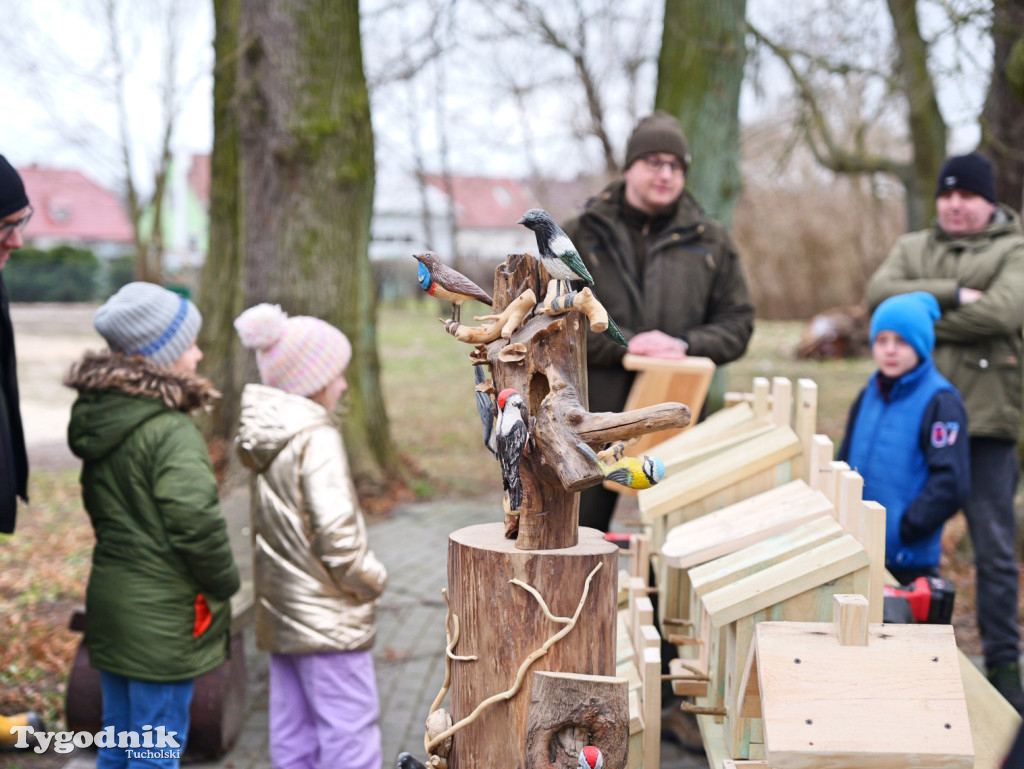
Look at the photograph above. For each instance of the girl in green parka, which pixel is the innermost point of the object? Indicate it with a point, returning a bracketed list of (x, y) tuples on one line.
[(157, 602)]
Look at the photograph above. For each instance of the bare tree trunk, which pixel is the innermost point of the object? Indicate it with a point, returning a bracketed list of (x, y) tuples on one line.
[(1002, 119), (221, 296), (307, 178), (700, 70), (927, 126)]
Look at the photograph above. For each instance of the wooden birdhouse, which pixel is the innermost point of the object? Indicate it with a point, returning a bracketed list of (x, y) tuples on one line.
[(754, 457), (853, 694)]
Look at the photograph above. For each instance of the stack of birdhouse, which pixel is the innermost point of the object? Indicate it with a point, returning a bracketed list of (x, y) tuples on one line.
[(769, 529)]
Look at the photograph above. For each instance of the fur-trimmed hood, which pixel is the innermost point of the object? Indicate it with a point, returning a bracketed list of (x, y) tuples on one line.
[(116, 394), (136, 375)]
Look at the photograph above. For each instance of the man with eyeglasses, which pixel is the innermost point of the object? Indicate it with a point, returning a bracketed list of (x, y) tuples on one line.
[(670, 276), (15, 212)]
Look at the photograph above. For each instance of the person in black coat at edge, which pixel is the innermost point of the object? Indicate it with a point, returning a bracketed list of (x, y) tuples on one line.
[(15, 212)]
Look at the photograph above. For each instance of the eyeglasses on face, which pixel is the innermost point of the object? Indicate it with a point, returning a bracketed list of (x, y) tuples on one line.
[(8, 229), (654, 163)]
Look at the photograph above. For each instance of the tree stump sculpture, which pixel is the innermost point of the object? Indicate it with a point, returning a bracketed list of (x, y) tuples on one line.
[(534, 593)]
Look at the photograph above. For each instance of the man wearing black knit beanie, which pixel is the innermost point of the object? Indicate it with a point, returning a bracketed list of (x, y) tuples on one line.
[(15, 212), (972, 262)]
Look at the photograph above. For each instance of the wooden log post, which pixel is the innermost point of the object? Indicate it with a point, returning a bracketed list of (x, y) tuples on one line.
[(503, 624)]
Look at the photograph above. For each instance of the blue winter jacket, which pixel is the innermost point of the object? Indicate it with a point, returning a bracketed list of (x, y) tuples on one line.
[(911, 447)]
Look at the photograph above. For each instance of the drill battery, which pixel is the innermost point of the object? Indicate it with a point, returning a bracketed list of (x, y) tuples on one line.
[(926, 599)]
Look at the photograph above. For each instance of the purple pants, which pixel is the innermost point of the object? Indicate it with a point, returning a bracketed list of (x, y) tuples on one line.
[(324, 711)]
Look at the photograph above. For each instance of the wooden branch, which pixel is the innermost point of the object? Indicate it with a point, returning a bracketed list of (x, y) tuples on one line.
[(451, 629), (502, 325), (834, 157), (527, 663), (582, 301), (602, 427)]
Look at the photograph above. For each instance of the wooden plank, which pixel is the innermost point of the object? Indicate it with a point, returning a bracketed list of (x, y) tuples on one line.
[(652, 708), (762, 396), (649, 636), (748, 700), (644, 615), (722, 571), (718, 473), (837, 468), (663, 380), (716, 424), (744, 507), (724, 531), (825, 704), (872, 529), (805, 423), (994, 722), (640, 560), (821, 456), (714, 445), (782, 401), (783, 580), (851, 488), (689, 680), (850, 619)]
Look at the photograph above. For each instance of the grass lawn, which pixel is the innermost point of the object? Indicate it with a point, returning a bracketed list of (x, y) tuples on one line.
[(428, 384)]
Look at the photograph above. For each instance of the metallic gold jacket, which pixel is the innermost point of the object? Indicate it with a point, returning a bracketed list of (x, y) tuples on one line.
[(316, 579)]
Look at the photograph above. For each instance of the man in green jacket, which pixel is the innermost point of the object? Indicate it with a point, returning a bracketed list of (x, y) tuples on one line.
[(670, 276), (972, 262)]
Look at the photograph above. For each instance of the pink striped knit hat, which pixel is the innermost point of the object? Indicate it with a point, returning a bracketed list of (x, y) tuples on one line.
[(299, 355)]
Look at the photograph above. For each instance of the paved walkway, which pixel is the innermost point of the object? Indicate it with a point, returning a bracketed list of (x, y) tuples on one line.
[(409, 653)]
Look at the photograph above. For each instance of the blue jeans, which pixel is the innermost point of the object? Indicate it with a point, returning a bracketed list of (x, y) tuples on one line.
[(144, 707)]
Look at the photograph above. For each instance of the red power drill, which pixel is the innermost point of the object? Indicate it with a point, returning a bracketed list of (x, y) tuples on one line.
[(930, 600)]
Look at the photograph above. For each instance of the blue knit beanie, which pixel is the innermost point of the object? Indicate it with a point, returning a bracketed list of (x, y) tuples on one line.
[(912, 316)]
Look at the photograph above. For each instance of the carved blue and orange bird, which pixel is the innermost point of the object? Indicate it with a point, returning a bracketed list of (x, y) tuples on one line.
[(633, 472), (440, 280)]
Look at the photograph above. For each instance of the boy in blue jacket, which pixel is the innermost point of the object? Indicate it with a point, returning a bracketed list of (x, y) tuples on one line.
[(906, 434)]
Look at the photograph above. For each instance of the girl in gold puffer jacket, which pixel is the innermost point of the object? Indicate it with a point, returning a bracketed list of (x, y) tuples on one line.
[(316, 580)]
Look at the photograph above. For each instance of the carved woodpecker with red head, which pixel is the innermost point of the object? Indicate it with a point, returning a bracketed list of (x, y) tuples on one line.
[(511, 436), (590, 758)]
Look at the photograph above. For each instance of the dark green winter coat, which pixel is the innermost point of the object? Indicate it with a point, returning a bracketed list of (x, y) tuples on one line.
[(678, 273), (149, 489), (978, 346)]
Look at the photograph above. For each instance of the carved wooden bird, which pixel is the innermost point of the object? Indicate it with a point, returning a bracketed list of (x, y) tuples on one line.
[(512, 434), (590, 758), (632, 472), (485, 408), (440, 280), (409, 761), (560, 257)]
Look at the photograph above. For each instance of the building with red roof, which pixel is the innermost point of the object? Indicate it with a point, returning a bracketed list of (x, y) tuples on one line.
[(487, 214), (72, 209)]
